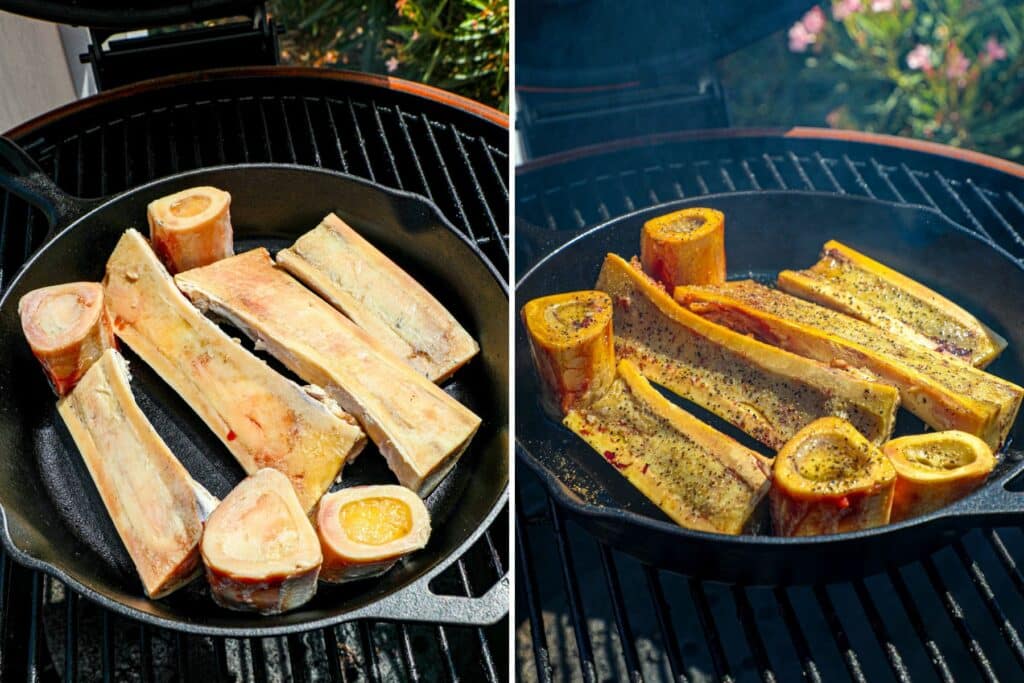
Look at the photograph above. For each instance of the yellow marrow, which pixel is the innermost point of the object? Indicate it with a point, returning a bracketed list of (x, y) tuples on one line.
[(685, 247), (191, 228)]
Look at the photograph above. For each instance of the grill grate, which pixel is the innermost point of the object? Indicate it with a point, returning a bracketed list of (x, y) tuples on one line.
[(590, 612), (459, 160)]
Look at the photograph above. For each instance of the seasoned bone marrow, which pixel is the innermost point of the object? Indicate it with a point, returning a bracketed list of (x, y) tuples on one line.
[(829, 479), (572, 348), (191, 228), (364, 284), (934, 470), (264, 419), (261, 551), (67, 328), (768, 393), (419, 429), (944, 393), (685, 247), (365, 530), (849, 281), (699, 477), (156, 506)]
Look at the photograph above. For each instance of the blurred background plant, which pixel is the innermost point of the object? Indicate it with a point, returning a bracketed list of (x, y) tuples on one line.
[(458, 45), (951, 71)]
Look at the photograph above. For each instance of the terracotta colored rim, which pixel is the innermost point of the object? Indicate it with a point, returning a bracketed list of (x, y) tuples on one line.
[(910, 144), (429, 92)]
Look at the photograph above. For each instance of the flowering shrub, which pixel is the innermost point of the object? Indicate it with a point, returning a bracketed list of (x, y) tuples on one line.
[(947, 70), (459, 45)]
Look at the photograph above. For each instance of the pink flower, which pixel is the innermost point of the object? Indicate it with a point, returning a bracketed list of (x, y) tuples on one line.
[(392, 65), (920, 58), (799, 37), (907, 4), (844, 8), (956, 64), (814, 20), (994, 50), (882, 5)]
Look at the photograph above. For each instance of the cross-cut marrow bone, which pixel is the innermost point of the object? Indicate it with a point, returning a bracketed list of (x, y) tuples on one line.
[(572, 348), (768, 393), (156, 506), (698, 476), (849, 281), (191, 228), (936, 469), (685, 247), (943, 392), (264, 419), (67, 328), (364, 284), (420, 430), (829, 479), (261, 551), (365, 530)]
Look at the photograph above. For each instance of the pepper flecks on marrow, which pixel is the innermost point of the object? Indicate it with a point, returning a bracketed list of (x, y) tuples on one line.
[(768, 393), (685, 247)]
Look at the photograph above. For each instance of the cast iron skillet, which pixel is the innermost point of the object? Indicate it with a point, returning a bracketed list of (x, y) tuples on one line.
[(767, 232), (53, 518)]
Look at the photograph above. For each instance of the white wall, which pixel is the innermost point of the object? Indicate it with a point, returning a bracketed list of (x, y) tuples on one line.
[(34, 74)]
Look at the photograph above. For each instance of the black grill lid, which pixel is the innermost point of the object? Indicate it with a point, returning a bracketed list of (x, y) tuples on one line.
[(127, 14)]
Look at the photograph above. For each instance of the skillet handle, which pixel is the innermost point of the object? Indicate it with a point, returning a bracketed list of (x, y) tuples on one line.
[(417, 602), (21, 176), (993, 504)]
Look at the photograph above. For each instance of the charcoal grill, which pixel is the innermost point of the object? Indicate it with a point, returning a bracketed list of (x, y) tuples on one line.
[(587, 611), (399, 134)]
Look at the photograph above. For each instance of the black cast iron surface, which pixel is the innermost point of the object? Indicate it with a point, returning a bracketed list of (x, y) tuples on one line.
[(48, 632), (587, 611)]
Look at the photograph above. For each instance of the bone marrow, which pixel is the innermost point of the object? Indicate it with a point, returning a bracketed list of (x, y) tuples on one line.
[(156, 506), (936, 469), (365, 530), (829, 479), (857, 285), (191, 228), (696, 475), (572, 348), (356, 278), (767, 392), (945, 393), (685, 247), (420, 430), (264, 419), (67, 328), (260, 550)]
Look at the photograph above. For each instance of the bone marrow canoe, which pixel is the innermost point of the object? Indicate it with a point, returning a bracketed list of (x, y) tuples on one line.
[(156, 506), (264, 419), (365, 530), (67, 328), (260, 550), (829, 479), (857, 285), (356, 278), (767, 392), (571, 344), (936, 469), (945, 393), (685, 247), (191, 228), (420, 430), (696, 475)]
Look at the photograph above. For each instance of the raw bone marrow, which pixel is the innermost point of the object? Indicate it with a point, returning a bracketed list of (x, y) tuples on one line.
[(685, 247), (945, 393), (264, 419), (260, 549), (364, 284), (420, 430), (191, 228), (68, 329), (768, 393), (852, 283), (696, 475), (156, 506)]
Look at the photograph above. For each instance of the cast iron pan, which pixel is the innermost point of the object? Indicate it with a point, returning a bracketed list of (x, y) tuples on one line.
[(767, 232), (54, 520)]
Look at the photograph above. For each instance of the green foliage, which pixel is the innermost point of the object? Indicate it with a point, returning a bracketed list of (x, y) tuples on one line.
[(945, 70), (459, 45)]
